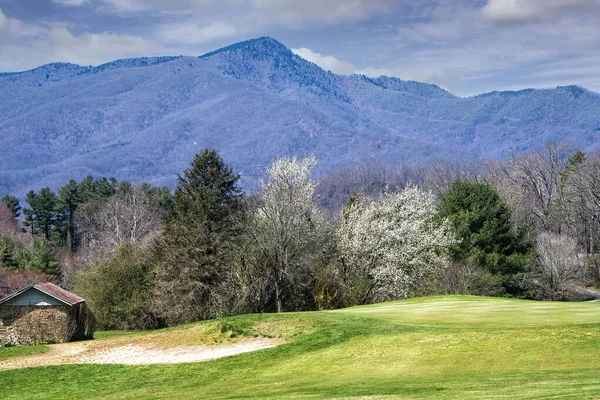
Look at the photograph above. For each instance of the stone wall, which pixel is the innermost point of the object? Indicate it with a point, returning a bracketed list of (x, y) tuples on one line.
[(25, 325)]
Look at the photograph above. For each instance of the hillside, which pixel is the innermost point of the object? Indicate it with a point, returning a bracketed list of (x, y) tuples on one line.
[(452, 347), (144, 119)]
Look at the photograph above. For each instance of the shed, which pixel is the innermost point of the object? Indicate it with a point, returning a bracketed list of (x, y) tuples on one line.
[(44, 313)]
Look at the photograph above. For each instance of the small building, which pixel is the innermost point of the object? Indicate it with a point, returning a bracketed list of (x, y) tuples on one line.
[(44, 313)]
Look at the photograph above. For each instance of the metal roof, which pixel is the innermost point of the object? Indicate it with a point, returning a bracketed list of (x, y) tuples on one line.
[(51, 290)]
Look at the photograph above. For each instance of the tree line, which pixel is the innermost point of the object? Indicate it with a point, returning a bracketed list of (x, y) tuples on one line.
[(145, 258)]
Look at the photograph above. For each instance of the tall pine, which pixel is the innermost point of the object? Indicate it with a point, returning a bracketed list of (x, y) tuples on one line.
[(42, 217), (201, 232), (69, 200)]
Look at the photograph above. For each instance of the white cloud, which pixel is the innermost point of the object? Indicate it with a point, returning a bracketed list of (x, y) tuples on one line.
[(94, 48), (71, 3), (191, 33), (525, 11), (339, 67), (328, 63), (133, 6), (9, 26), (328, 11), (38, 44), (120, 6)]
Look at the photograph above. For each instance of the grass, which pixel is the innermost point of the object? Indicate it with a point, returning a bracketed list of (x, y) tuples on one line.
[(8, 352), (434, 348)]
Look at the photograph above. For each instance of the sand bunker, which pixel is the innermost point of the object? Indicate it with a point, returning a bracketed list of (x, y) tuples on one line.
[(133, 354)]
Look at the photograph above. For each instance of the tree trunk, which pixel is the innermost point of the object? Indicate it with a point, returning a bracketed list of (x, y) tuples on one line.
[(278, 296)]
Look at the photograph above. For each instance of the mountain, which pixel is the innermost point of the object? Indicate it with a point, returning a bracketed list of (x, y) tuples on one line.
[(144, 119)]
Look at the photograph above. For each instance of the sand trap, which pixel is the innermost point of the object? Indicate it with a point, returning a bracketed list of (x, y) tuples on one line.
[(142, 355), (133, 354)]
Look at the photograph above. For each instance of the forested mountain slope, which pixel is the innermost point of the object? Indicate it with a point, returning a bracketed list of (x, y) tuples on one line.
[(144, 119)]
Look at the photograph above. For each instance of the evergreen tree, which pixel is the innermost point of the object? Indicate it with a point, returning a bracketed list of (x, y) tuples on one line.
[(482, 222), (43, 258), (7, 259), (201, 231), (42, 216), (101, 189), (69, 200), (13, 205)]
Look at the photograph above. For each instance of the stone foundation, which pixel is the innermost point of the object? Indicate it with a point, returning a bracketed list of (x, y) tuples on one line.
[(24, 325)]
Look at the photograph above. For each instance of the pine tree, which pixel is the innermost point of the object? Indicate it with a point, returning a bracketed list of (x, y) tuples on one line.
[(69, 200), (13, 205), (201, 231), (43, 258), (482, 222), (7, 259), (42, 216)]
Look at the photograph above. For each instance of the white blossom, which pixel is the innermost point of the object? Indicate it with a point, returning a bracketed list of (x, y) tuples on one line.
[(394, 241)]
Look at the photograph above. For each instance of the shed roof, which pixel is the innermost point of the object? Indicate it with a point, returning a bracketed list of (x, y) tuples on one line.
[(51, 290)]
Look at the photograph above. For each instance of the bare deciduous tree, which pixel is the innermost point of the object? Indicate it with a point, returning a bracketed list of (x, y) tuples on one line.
[(531, 183), (126, 218), (562, 265), (9, 227)]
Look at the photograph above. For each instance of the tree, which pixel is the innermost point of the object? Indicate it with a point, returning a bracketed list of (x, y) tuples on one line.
[(562, 265), (128, 217), (564, 201), (9, 227), (195, 256), (43, 258), (119, 290), (532, 182), (13, 205), (42, 216), (69, 200), (392, 243), (483, 227), (286, 229), (7, 259), (14, 280)]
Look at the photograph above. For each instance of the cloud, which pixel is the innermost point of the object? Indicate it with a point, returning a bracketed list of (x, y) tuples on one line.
[(94, 48), (264, 12), (134, 6), (328, 63), (120, 6), (339, 67), (70, 3), (33, 45), (528, 11), (9, 27), (327, 11), (191, 33)]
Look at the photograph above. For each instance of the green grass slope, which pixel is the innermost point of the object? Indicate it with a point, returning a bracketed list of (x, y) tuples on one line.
[(433, 348)]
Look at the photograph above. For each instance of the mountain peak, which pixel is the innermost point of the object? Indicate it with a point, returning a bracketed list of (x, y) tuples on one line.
[(272, 65), (264, 46)]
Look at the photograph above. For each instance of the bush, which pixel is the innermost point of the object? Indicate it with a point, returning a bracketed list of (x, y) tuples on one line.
[(119, 290)]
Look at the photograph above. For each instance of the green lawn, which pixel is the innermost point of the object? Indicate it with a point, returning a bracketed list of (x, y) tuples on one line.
[(8, 352), (434, 348)]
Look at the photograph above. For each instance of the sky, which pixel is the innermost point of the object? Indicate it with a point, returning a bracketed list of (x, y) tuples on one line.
[(465, 46)]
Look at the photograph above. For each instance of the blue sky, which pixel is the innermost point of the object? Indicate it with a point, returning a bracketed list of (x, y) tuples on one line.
[(465, 46)]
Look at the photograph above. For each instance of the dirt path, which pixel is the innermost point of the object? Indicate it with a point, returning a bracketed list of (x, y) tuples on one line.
[(116, 352)]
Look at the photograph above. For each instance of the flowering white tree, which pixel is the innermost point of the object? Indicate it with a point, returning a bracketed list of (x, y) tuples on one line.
[(287, 221), (393, 241)]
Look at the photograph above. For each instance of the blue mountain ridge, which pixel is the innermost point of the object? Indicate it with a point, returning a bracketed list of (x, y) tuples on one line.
[(145, 118)]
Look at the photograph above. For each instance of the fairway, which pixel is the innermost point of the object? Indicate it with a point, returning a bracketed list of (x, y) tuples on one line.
[(478, 312), (453, 347)]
